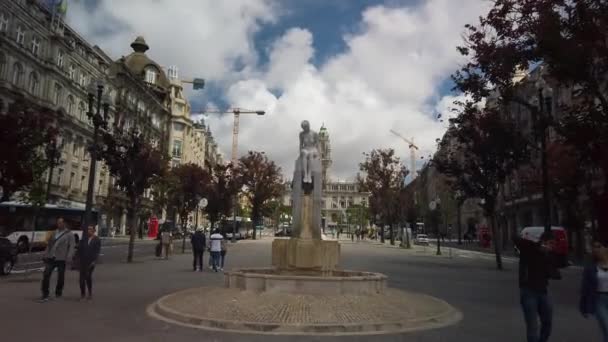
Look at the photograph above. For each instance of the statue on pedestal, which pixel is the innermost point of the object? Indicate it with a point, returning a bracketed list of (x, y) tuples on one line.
[(309, 151)]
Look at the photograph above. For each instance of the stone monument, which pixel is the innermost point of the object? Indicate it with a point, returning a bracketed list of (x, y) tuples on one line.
[(305, 250), (304, 292)]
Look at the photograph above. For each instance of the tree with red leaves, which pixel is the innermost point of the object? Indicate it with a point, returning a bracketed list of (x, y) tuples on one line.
[(188, 185), (384, 180), (484, 149), (262, 181), (25, 136), (569, 39), (134, 163)]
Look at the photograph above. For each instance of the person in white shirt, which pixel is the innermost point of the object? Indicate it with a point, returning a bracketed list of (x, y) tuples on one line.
[(215, 246)]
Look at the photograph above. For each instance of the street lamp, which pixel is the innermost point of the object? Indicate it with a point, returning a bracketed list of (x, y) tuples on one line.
[(97, 101), (541, 120)]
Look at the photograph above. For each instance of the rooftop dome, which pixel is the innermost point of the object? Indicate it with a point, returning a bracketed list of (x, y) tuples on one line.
[(137, 63)]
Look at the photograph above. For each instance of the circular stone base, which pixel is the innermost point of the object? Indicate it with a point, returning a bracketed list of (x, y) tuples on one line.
[(234, 310)]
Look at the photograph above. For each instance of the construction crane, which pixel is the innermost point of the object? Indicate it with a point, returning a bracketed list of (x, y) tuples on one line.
[(235, 128), (413, 149)]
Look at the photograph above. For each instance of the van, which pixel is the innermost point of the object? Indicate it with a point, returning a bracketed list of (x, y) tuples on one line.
[(561, 240)]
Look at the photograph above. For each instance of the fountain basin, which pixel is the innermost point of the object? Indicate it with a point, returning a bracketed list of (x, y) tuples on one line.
[(338, 282)]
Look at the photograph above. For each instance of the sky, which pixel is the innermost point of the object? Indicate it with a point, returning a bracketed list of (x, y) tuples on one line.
[(358, 67)]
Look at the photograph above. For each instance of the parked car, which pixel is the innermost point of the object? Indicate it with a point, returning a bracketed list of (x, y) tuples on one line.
[(561, 241), (283, 232), (8, 256), (238, 235), (421, 239)]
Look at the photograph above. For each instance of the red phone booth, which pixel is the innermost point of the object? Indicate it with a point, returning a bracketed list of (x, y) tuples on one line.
[(153, 227)]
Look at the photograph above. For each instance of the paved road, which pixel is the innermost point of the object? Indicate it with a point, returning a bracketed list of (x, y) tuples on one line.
[(488, 298)]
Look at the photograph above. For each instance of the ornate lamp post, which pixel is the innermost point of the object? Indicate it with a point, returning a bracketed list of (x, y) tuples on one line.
[(97, 101), (541, 120)]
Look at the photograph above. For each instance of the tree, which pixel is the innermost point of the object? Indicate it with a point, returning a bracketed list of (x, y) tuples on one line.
[(384, 180), (188, 186), (262, 181), (220, 192), (25, 134), (481, 150), (134, 163), (569, 38)]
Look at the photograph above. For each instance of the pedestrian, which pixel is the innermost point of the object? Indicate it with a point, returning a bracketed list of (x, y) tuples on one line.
[(215, 245), (88, 259), (166, 240), (199, 242), (536, 267), (594, 289), (224, 246), (59, 249)]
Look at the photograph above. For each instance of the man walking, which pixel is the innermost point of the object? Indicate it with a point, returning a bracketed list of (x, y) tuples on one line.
[(88, 259), (59, 249), (215, 245), (198, 241), (536, 267), (166, 240)]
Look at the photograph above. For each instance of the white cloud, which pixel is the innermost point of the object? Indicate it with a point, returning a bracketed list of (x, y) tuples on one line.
[(388, 77)]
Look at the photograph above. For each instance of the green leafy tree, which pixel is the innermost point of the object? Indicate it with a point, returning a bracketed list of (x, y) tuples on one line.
[(220, 192), (384, 180)]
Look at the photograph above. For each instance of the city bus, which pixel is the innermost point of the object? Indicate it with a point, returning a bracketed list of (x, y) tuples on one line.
[(16, 223)]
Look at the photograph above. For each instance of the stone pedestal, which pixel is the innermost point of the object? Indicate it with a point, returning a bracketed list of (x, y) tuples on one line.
[(305, 255)]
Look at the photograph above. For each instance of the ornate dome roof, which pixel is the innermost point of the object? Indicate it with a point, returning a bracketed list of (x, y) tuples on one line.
[(137, 63)]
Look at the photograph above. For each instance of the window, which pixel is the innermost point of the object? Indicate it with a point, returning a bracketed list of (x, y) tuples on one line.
[(72, 72), (178, 127), (59, 176), (17, 74), (82, 79), (82, 112), (3, 22), (83, 184), (58, 95), (35, 45), (71, 183), (20, 37), (177, 148), (75, 149), (151, 75), (60, 59), (100, 187), (2, 65), (34, 83), (71, 105)]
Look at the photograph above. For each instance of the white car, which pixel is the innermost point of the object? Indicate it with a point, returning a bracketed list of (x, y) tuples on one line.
[(421, 239)]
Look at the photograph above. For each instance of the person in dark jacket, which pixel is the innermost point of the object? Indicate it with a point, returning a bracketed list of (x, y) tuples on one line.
[(88, 259), (536, 267), (199, 242), (594, 288)]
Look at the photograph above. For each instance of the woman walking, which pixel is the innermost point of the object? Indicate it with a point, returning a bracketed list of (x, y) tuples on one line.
[(594, 289), (87, 263)]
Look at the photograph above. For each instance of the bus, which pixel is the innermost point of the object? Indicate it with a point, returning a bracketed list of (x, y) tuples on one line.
[(16, 223)]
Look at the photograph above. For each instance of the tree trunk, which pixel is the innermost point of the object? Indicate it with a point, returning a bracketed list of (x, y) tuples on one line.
[(184, 219), (131, 215), (392, 230), (459, 223), (496, 242)]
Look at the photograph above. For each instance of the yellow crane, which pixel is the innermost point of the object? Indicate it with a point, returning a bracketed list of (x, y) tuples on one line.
[(413, 149), (235, 128)]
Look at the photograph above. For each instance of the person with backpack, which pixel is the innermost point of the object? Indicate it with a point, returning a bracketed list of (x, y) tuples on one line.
[(199, 242), (215, 246), (58, 251)]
